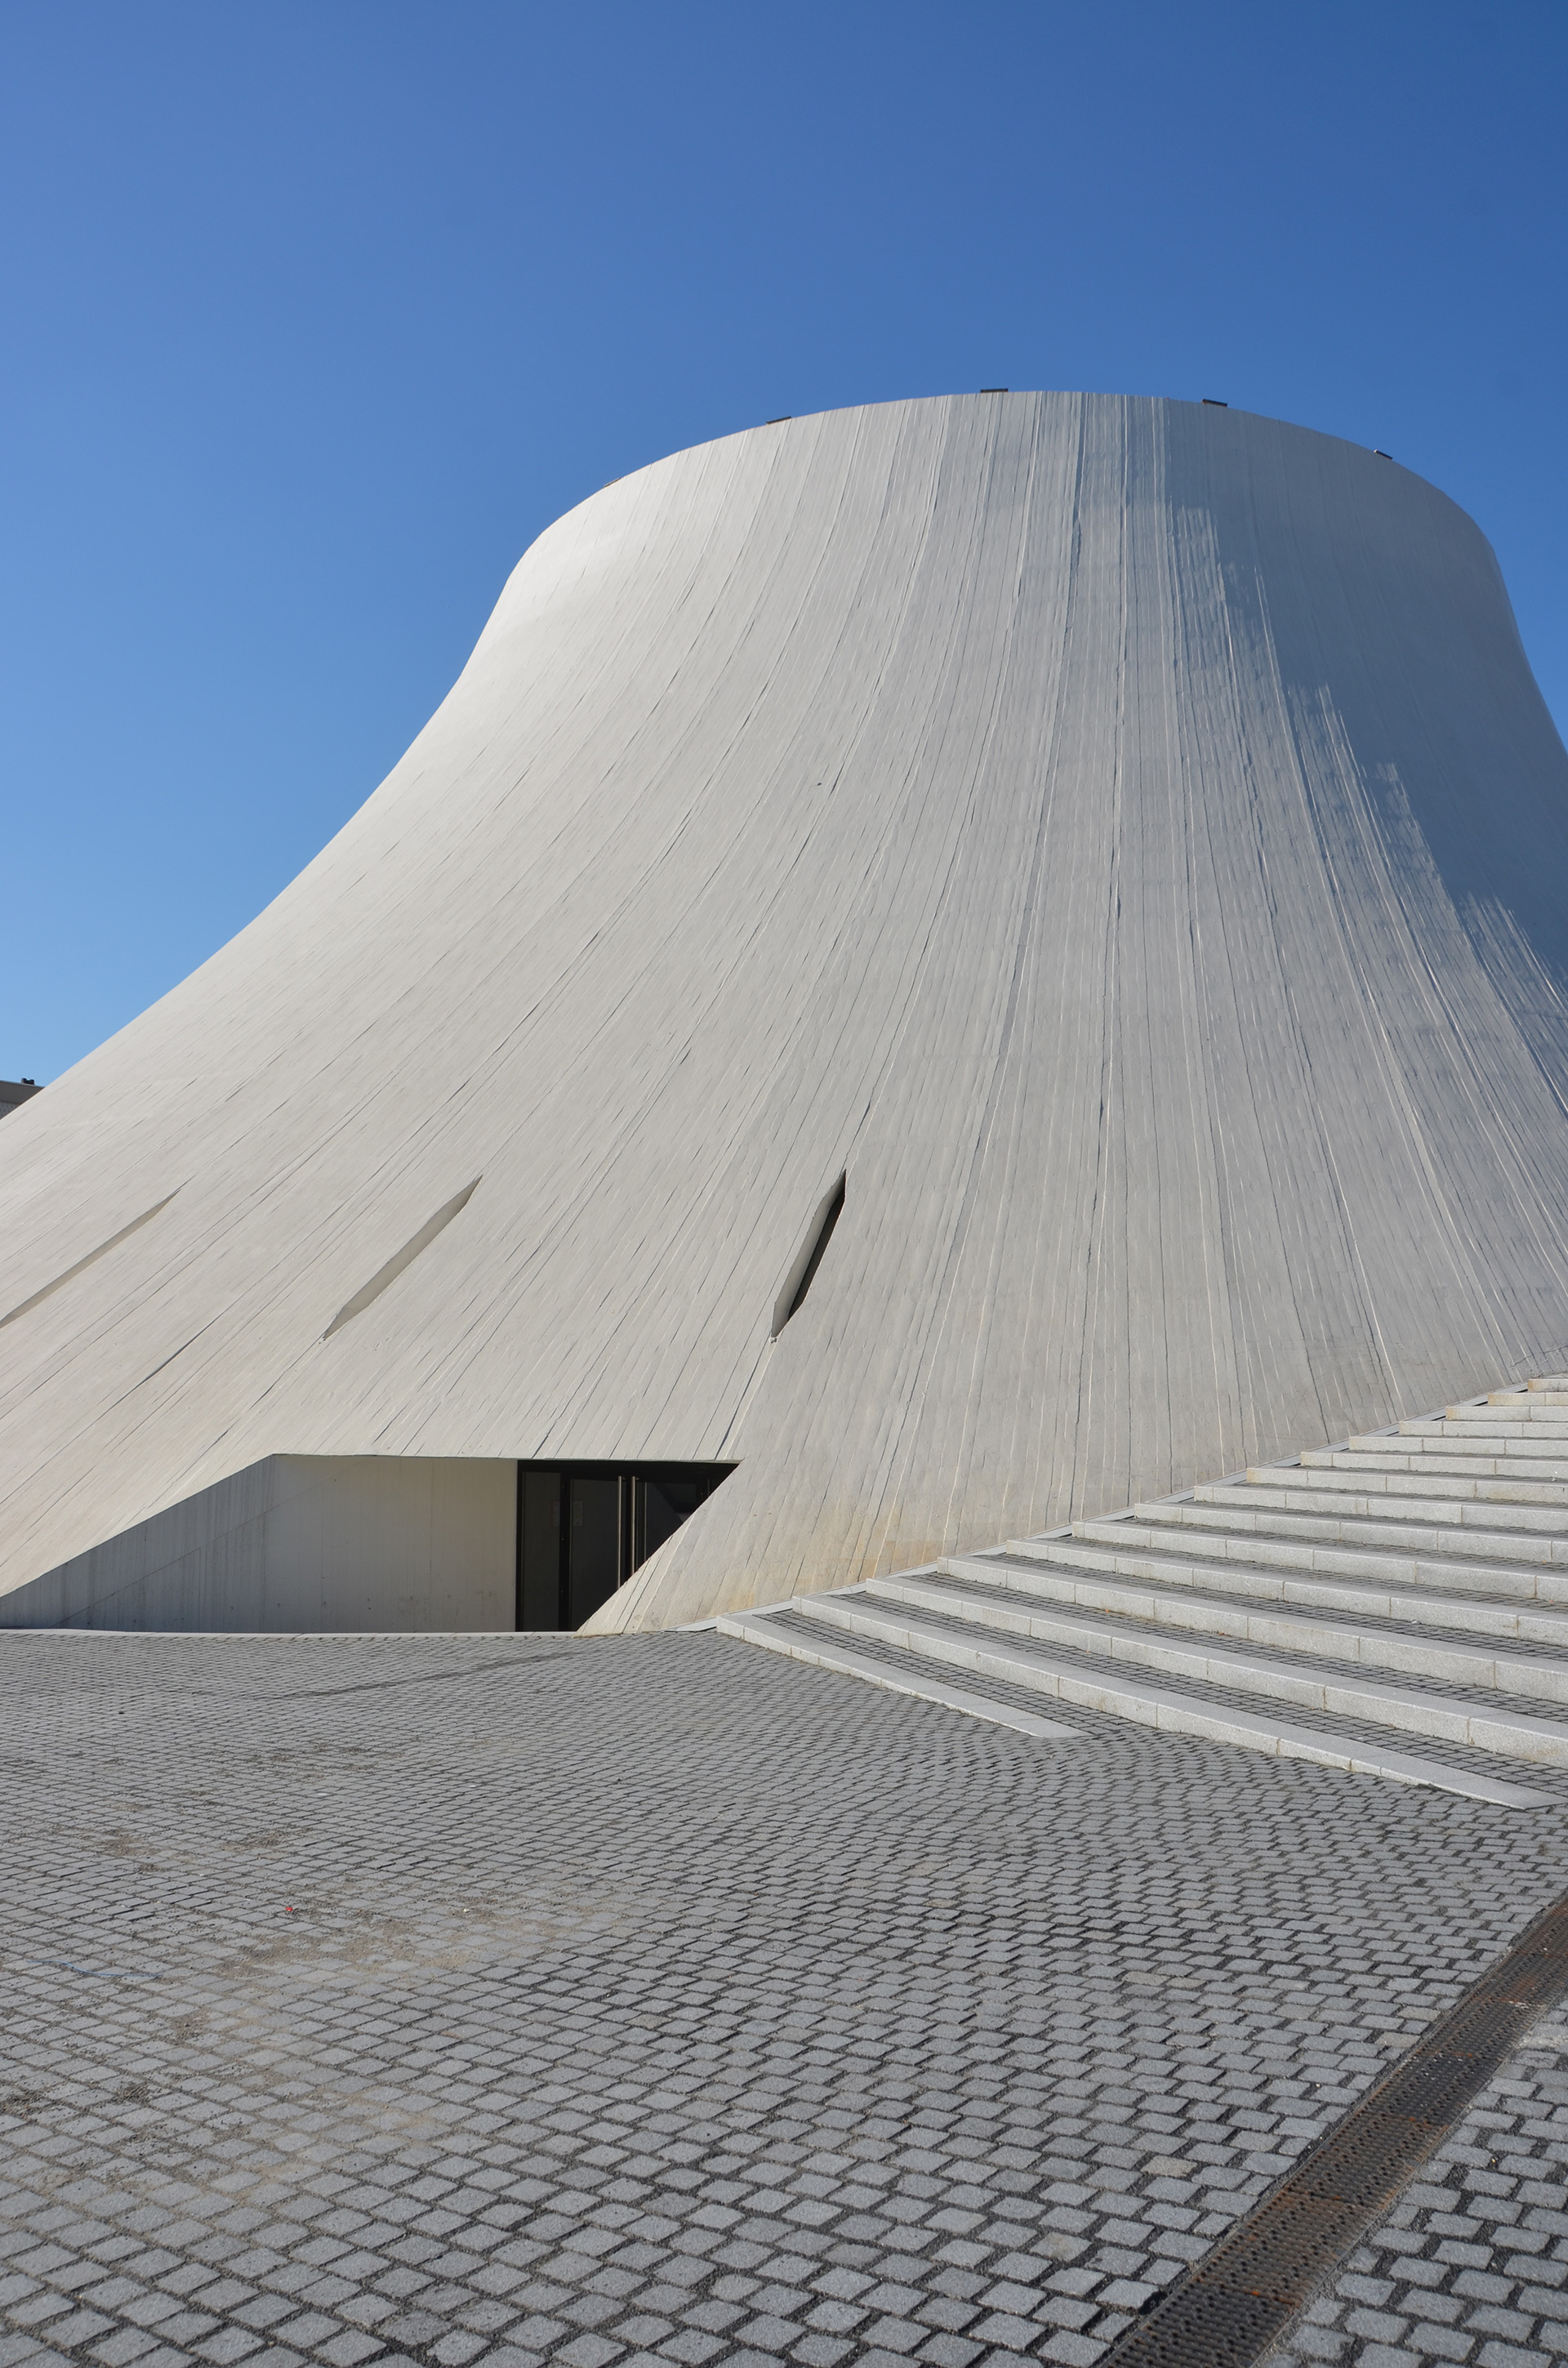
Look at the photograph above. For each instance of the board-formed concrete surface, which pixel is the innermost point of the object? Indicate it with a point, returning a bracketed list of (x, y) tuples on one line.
[(318, 1543), (1119, 839), (654, 1999)]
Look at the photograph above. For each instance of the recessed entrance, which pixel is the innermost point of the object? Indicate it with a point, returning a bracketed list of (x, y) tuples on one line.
[(583, 1529)]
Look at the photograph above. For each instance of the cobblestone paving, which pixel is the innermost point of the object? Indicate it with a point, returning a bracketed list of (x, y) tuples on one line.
[(1473, 2266), (494, 1999)]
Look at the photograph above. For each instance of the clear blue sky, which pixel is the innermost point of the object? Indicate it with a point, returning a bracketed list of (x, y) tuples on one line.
[(312, 316)]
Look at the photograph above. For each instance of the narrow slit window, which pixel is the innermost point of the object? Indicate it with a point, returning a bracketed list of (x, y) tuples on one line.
[(809, 1257), (92, 1258), (405, 1257)]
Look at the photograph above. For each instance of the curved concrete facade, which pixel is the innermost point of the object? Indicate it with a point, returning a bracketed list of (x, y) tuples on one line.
[(1121, 837)]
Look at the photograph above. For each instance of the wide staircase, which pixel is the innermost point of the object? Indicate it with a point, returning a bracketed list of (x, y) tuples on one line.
[(1398, 1605)]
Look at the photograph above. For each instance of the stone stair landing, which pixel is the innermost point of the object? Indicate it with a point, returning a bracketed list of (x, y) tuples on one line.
[(1396, 1605)]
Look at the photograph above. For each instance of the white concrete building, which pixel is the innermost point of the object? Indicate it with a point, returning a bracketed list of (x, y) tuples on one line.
[(958, 962)]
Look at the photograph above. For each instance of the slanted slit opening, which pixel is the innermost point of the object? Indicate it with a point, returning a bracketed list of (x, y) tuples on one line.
[(92, 1258), (809, 1257), (405, 1257)]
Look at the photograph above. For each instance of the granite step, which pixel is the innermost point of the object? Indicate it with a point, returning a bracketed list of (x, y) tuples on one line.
[(827, 1653), (1095, 1683), (1435, 1613), (1397, 1603), (1518, 1586), (1177, 1619), (1475, 1701), (1302, 1511), (1530, 1458), (1473, 1478), (1457, 1561)]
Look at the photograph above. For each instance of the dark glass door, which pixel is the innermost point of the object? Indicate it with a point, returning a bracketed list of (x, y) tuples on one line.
[(584, 1529), (663, 1504), (593, 1545), (539, 1548)]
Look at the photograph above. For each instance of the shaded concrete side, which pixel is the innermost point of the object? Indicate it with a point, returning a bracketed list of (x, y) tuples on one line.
[(303, 1542)]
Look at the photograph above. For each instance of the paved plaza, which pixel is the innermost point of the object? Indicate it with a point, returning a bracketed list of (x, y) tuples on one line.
[(498, 2000), (1473, 2264)]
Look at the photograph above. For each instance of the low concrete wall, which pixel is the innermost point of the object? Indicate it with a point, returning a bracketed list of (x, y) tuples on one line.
[(303, 1542)]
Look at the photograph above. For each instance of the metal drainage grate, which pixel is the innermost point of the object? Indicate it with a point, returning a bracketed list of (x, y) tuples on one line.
[(1236, 2300)]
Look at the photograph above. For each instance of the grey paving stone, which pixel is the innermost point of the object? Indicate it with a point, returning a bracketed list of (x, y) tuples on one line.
[(934, 2045), (1446, 2296), (949, 2351), (78, 2326), (454, 2350), (126, 2343), (1431, 2341), (36, 2308), (769, 2333)]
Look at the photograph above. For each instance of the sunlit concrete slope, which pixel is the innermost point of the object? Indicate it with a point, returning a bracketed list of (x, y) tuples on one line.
[(1122, 837)]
